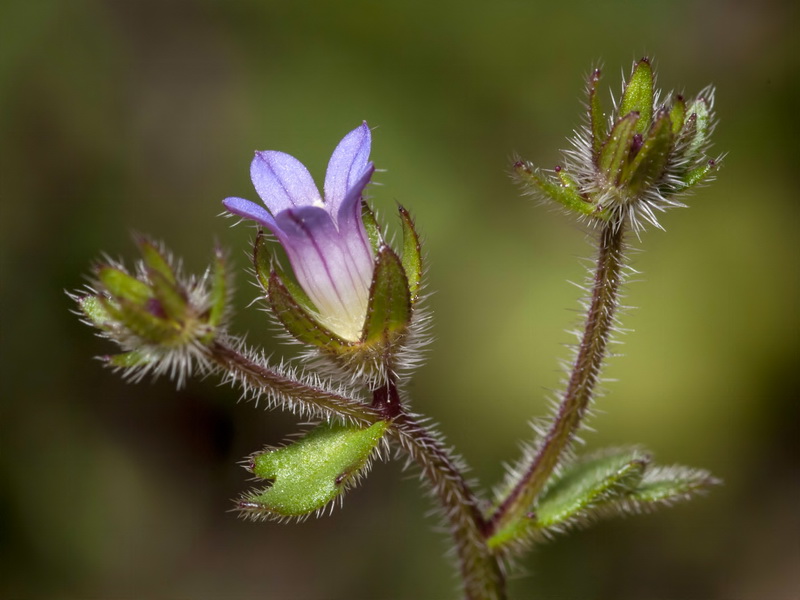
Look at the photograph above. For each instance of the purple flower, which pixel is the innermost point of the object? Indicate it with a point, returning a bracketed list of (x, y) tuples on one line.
[(325, 238)]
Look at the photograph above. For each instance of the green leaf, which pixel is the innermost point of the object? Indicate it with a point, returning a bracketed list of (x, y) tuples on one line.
[(650, 162), (298, 321), (638, 95), (121, 285), (389, 308), (665, 485), (371, 226), (596, 118), (412, 254), (616, 150), (564, 195), (311, 472), (570, 496)]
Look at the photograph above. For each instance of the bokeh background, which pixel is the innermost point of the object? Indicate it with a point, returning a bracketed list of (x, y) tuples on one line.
[(141, 115)]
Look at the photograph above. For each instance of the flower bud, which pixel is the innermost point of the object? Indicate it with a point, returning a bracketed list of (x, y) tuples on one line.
[(635, 163), (161, 320)]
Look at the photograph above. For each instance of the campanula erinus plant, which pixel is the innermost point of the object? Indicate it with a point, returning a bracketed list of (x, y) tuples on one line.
[(354, 302)]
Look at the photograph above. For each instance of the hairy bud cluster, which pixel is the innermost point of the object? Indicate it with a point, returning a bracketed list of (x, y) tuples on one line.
[(635, 162), (161, 320)]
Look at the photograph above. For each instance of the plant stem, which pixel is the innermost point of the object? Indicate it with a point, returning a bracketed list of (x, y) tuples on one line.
[(480, 570), (582, 381), (313, 400), (481, 575)]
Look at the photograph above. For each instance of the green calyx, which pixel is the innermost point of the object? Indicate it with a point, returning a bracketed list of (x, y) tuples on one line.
[(311, 472), (395, 289)]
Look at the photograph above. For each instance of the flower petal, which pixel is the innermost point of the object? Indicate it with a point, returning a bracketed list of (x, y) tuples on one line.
[(250, 210), (352, 231), (282, 181), (324, 268), (347, 165)]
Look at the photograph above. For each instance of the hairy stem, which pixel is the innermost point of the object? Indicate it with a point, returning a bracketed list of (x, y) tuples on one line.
[(581, 383), (480, 570), (290, 393)]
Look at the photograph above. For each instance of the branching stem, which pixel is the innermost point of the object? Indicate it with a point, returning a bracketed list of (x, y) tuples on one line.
[(582, 381)]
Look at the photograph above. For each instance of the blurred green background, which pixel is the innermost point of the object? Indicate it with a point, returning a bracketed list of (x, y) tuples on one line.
[(143, 114)]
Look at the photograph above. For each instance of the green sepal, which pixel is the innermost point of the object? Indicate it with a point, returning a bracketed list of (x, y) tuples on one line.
[(141, 320), (616, 150), (371, 226), (389, 308), (299, 322), (638, 95), (154, 259), (94, 309), (265, 266), (677, 114), (696, 133), (311, 472), (567, 180), (566, 196), (262, 260), (698, 175), (170, 296), (596, 119), (220, 289), (649, 163), (128, 359), (163, 283), (582, 486), (120, 284), (412, 254)]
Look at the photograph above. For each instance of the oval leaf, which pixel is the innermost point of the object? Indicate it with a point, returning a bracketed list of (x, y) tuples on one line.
[(580, 487), (313, 471)]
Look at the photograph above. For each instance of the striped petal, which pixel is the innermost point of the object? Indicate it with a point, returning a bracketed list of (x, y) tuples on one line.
[(347, 165), (325, 269), (282, 181)]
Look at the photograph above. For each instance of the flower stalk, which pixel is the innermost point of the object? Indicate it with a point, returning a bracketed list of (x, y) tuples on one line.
[(582, 381), (304, 397)]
